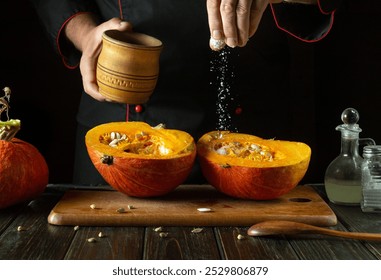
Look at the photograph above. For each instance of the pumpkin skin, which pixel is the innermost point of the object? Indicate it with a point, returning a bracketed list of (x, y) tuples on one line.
[(263, 177), (24, 173), (136, 173)]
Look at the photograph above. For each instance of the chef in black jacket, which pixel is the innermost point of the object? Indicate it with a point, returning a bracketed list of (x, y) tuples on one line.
[(186, 95)]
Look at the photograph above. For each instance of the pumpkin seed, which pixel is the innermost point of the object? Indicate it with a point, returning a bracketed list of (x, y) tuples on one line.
[(21, 228), (240, 237), (203, 209), (76, 228), (158, 229), (163, 234), (93, 206), (121, 210), (115, 138), (244, 150), (114, 143), (91, 240), (100, 234), (159, 126), (197, 230), (112, 135)]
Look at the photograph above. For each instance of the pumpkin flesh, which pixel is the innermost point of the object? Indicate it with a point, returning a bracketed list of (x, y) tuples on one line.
[(249, 167), (147, 162)]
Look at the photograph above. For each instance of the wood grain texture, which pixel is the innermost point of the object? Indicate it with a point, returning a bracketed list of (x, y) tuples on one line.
[(120, 243), (275, 248), (38, 240), (41, 240), (181, 243), (179, 208)]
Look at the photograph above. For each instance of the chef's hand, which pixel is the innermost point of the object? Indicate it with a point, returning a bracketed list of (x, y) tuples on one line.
[(86, 36), (233, 22)]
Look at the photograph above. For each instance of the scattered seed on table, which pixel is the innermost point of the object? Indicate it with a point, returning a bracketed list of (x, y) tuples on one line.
[(101, 235), (158, 229), (91, 240), (21, 228), (240, 237), (163, 234), (130, 207), (197, 230), (121, 210), (93, 206), (204, 210), (76, 228)]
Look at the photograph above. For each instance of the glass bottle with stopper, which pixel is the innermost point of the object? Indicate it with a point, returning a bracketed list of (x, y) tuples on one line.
[(343, 176)]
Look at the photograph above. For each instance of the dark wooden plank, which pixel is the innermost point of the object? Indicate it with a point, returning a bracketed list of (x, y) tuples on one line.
[(327, 248), (319, 247), (39, 240), (117, 243), (7, 215), (180, 244), (258, 248), (356, 220)]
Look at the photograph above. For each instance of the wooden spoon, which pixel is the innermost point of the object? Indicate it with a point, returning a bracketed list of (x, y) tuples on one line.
[(288, 227)]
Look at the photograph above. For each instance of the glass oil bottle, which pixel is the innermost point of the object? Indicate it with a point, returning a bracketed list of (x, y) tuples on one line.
[(343, 176)]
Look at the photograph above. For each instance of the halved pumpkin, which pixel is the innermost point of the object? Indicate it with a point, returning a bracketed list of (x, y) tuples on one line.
[(249, 167), (140, 160)]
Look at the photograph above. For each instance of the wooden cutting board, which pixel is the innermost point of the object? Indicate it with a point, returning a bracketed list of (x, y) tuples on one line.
[(180, 208)]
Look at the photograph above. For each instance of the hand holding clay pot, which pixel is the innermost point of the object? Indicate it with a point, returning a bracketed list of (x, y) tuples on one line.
[(128, 66)]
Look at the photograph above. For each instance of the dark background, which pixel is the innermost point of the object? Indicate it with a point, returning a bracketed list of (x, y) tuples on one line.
[(341, 71)]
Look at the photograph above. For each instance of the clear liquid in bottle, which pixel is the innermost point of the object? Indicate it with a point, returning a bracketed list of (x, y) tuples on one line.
[(343, 176)]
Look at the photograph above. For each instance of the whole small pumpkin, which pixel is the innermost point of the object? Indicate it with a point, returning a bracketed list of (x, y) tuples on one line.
[(139, 160), (24, 172), (249, 167)]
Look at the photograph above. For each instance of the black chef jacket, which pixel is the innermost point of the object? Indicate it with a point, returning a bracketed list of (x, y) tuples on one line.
[(186, 95)]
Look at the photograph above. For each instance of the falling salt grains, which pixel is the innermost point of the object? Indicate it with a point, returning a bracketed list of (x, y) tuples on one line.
[(222, 68)]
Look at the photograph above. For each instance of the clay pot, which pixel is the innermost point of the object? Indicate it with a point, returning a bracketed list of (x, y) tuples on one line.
[(128, 66)]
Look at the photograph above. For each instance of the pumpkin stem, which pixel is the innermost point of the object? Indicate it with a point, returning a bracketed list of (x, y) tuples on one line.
[(9, 129)]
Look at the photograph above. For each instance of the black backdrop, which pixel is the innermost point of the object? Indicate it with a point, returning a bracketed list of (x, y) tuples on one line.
[(341, 71)]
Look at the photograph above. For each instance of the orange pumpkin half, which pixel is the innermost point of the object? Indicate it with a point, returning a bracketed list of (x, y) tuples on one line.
[(249, 167), (140, 160)]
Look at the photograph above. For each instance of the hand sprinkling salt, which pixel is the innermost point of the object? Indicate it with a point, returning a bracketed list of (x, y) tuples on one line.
[(216, 45)]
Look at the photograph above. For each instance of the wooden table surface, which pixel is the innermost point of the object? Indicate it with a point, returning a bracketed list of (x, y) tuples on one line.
[(39, 240)]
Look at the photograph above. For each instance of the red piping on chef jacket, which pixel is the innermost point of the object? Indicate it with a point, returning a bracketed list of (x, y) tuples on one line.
[(299, 38), (58, 39), (121, 16)]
